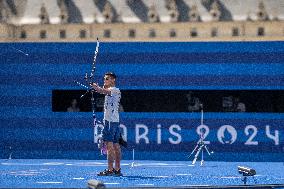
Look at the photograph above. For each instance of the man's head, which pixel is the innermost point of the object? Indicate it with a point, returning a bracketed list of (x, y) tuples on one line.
[(74, 102), (109, 79)]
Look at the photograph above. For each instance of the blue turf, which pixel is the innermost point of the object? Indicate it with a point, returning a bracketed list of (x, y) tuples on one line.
[(40, 173)]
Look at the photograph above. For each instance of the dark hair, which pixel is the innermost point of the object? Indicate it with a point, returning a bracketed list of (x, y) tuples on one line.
[(111, 74)]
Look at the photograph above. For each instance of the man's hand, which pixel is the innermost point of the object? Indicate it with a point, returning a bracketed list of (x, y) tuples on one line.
[(100, 90), (96, 87)]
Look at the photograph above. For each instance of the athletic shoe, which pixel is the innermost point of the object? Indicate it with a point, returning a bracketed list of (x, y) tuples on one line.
[(117, 172), (106, 172)]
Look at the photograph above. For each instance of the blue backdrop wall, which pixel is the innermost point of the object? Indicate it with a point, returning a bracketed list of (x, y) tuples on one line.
[(29, 72)]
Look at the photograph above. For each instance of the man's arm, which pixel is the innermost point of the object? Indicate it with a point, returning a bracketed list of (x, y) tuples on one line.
[(101, 90)]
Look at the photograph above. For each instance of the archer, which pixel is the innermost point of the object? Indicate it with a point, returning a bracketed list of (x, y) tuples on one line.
[(111, 132)]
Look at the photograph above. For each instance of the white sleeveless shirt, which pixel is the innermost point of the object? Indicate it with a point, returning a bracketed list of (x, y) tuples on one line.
[(111, 105)]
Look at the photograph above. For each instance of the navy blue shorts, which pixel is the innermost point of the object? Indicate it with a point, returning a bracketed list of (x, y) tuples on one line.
[(111, 132)]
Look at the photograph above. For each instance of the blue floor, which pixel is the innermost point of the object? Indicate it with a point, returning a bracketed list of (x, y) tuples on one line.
[(48, 173)]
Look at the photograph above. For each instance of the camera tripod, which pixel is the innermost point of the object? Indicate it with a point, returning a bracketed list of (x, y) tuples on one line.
[(200, 146)]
